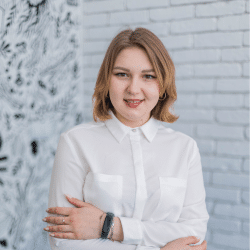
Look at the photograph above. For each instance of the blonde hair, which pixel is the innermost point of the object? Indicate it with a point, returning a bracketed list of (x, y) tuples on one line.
[(161, 62)]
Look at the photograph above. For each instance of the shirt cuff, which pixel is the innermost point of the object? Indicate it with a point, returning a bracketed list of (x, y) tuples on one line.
[(132, 231)]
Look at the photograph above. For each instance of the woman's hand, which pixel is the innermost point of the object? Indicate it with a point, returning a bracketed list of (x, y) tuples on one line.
[(80, 223), (183, 244)]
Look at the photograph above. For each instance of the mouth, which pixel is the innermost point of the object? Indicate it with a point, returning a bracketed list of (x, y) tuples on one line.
[(133, 102)]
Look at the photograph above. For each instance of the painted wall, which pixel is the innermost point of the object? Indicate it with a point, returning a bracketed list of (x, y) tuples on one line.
[(208, 41), (41, 96)]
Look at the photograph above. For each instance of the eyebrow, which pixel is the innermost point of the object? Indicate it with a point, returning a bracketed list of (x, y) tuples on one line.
[(146, 70)]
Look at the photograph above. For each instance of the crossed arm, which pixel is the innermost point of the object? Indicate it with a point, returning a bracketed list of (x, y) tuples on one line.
[(80, 224), (89, 212), (68, 177), (85, 224)]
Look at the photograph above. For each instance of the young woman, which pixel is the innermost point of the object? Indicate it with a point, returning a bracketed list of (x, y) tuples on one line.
[(136, 183)]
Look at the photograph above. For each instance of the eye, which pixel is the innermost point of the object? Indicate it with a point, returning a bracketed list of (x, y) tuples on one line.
[(147, 76), (151, 76), (119, 74)]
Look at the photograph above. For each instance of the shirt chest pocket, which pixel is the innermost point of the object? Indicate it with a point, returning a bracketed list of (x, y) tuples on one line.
[(103, 191), (172, 194)]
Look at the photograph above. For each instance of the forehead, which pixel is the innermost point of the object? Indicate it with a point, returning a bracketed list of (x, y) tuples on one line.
[(133, 57)]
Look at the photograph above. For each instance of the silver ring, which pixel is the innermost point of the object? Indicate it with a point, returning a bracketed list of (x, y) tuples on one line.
[(63, 221)]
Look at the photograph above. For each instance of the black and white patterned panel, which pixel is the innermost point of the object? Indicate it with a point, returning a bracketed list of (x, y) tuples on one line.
[(41, 96)]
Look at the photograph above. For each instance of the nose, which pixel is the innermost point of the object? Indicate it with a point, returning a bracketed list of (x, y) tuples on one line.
[(134, 86)]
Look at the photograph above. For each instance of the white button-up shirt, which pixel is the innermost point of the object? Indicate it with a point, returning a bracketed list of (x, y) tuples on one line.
[(150, 177)]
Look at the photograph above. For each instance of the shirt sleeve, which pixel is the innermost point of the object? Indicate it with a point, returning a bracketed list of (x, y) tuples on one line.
[(192, 221), (68, 175)]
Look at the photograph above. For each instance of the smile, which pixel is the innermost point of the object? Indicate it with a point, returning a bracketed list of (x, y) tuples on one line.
[(132, 104)]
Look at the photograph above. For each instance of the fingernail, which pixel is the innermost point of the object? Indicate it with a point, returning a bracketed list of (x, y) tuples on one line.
[(51, 234), (44, 219), (46, 228)]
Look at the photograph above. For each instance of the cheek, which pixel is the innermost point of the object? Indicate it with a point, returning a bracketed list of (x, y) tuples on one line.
[(157, 88), (113, 86), (152, 94), (116, 92)]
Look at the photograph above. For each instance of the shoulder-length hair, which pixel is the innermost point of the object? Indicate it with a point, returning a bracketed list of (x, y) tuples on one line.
[(161, 62)]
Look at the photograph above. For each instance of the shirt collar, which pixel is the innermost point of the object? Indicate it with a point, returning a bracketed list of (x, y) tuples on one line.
[(119, 130)]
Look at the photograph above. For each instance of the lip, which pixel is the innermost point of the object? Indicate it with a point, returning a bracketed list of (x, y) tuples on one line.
[(135, 100), (133, 105)]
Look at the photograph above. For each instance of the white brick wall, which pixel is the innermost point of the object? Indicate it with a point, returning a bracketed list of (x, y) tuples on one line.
[(237, 211), (218, 40), (194, 25), (208, 41), (220, 8), (146, 4), (171, 13)]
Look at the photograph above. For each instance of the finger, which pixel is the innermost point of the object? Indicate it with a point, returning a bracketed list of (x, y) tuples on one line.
[(70, 197), (57, 220), (76, 202), (63, 235), (59, 210), (191, 240), (58, 229), (202, 246)]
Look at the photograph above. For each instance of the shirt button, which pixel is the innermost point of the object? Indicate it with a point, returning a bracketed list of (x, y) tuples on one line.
[(134, 130)]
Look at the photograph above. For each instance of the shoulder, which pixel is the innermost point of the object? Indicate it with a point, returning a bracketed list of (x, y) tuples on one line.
[(180, 142), (83, 128), (175, 134)]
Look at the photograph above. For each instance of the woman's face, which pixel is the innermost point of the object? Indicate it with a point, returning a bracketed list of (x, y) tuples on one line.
[(133, 77)]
